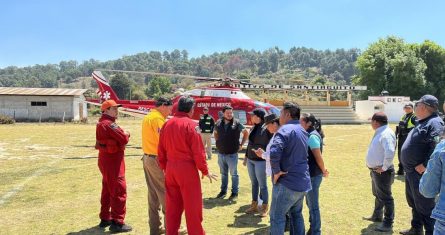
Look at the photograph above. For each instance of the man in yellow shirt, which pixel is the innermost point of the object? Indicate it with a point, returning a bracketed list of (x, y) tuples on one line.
[(154, 176)]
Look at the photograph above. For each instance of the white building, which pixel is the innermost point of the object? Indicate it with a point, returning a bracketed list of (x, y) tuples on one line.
[(392, 106), (43, 104)]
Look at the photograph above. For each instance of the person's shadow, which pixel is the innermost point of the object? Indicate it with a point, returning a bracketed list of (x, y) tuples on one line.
[(370, 230), (400, 177), (210, 203), (249, 221), (92, 230), (246, 221), (260, 231)]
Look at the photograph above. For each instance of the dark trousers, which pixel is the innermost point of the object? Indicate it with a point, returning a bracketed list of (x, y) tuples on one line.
[(421, 206), (381, 189), (402, 139)]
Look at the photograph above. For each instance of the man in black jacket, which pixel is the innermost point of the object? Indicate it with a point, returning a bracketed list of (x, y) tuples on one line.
[(416, 152), (227, 134)]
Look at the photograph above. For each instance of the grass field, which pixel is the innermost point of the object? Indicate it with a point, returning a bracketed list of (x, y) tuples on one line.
[(50, 184)]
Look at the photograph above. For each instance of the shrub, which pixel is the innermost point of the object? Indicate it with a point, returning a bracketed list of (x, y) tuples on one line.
[(6, 119)]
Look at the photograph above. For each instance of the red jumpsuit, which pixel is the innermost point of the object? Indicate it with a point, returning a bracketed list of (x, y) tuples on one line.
[(181, 154), (111, 141)]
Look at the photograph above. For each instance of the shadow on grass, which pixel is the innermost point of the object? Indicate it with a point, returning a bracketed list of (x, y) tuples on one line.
[(90, 157), (260, 231), (242, 209), (83, 146), (210, 203), (92, 146), (246, 221), (243, 220), (79, 158), (92, 230), (400, 177), (370, 230)]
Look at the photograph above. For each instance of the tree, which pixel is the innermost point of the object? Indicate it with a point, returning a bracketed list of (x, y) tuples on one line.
[(185, 55), (158, 86), (434, 57), (138, 94), (392, 65), (121, 84)]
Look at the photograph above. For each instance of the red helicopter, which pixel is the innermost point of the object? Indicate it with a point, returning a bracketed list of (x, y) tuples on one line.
[(223, 91)]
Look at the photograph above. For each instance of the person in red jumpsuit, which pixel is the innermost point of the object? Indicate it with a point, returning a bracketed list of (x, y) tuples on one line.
[(111, 141), (181, 154)]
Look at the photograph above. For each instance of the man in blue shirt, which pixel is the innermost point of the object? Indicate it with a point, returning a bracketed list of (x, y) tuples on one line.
[(416, 152), (288, 159), (379, 160)]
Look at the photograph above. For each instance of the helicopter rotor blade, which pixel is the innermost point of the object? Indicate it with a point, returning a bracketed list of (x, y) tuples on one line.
[(163, 74)]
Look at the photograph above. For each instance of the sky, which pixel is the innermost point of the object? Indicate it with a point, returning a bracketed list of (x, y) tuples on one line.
[(42, 32)]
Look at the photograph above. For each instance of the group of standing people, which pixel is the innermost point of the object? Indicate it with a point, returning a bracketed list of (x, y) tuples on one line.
[(417, 142), (288, 148)]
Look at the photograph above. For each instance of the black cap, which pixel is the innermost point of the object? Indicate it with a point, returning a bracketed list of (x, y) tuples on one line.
[(259, 112), (270, 118), (380, 117), (163, 101), (408, 106), (429, 100)]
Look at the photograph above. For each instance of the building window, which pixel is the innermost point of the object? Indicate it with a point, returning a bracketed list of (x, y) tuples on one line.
[(38, 103)]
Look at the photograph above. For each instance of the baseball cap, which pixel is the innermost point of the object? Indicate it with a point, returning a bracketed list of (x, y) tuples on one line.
[(109, 103), (259, 112), (408, 106), (429, 100), (270, 118)]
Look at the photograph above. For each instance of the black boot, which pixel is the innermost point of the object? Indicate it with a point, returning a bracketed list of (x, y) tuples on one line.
[(221, 195), (412, 231), (120, 228), (104, 223), (384, 227)]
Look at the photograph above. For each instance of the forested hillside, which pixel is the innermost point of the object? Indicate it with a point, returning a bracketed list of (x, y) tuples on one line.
[(298, 65)]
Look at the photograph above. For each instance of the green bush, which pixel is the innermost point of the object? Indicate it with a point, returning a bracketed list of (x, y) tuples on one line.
[(95, 111), (6, 119)]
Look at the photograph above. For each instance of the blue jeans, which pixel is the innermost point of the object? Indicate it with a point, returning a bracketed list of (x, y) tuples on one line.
[(228, 163), (257, 174), (313, 206), (286, 201), (439, 227)]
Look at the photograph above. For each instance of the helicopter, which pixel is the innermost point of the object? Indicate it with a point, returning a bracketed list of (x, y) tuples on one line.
[(221, 92)]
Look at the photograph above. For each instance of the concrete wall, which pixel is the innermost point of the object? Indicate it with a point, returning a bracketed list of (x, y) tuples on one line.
[(366, 108), (58, 108)]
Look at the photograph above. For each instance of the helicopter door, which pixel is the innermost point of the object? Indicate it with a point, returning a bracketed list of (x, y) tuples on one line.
[(240, 115)]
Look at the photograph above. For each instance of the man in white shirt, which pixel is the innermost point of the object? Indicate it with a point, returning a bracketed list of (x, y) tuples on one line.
[(380, 162)]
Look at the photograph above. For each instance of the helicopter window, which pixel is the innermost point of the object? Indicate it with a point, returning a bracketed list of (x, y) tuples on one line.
[(240, 115)]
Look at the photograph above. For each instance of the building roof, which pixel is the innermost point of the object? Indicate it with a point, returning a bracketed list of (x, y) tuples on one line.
[(41, 91)]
